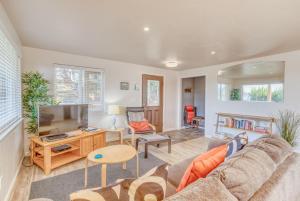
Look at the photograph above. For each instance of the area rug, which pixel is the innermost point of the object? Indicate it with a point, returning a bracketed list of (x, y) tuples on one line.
[(58, 188)]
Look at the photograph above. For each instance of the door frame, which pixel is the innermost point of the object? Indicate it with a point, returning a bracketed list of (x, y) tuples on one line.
[(162, 94), (179, 106)]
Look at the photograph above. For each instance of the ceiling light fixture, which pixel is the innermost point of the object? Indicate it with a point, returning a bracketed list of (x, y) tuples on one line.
[(213, 52), (220, 72), (146, 29), (171, 64)]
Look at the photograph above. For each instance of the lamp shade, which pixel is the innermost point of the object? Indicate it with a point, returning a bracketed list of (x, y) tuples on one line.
[(114, 110)]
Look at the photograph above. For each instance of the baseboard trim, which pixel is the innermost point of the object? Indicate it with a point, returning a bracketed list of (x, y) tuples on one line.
[(9, 194)]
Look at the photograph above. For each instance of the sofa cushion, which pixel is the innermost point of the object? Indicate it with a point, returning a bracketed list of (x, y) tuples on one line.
[(276, 147), (245, 172), (151, 186), (205, 189), (283, 184), (176, 171), (203, 165)]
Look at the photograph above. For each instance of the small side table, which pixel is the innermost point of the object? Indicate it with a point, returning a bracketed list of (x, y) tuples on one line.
[(153, 140), (111, 155), (196, 121), (118, 130)]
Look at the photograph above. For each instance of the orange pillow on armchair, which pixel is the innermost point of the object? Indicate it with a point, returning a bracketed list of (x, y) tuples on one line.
[(203, 165), (140, 126)]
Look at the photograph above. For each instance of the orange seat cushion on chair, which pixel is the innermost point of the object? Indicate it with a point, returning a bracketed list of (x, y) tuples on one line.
[(203, 165), (140, 126)]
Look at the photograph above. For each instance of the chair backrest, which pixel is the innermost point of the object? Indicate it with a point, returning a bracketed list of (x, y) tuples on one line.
[(135, 114), (189, 113)]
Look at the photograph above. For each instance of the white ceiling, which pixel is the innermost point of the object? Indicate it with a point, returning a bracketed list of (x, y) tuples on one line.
[(185, 30)]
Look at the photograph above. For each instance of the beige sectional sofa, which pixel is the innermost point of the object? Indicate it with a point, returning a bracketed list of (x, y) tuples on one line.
[(265, 170)]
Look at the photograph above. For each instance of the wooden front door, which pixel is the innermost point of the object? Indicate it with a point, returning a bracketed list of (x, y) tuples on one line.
[(152, 92)]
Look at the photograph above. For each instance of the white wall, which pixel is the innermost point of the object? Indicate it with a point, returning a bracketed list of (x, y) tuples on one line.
[(291, 90), (199, 95), (11, 143), (43, 60)]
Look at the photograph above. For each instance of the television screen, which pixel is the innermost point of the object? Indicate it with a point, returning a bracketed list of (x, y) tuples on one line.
[(60, 119)]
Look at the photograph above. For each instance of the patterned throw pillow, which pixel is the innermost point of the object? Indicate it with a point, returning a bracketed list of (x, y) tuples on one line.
[(236, 144), (150, 187)]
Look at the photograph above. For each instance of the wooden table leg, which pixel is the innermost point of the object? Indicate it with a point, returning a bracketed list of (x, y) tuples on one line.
[(169, 146), (121, 136), (137, 144), (124, 166), (86, 172), (146, 150), (137, 165), (103, 175)]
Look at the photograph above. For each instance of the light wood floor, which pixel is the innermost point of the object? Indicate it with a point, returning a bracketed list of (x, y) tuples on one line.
[(180, 151)]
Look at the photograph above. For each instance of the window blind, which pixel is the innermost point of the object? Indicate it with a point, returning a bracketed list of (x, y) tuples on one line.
[(76, 85), (10, 84)]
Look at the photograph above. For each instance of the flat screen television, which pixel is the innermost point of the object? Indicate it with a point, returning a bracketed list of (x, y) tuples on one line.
[(59, 119)]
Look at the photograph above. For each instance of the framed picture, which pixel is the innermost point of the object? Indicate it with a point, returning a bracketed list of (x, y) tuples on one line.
[(124, 85), (188, 90)]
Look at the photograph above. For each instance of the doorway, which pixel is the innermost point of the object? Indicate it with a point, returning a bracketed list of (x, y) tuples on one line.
[(152, 99), (193, 102)]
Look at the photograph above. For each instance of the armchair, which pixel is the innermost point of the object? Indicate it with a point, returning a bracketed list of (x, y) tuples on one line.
[(137, 123)]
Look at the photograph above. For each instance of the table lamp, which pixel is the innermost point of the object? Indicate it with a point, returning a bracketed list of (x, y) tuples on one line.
[(114, 110)]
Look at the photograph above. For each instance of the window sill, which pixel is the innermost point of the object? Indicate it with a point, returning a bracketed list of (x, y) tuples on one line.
[(10, 129)]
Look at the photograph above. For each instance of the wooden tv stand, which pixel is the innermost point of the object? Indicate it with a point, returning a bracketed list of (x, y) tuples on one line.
[(82, 143)]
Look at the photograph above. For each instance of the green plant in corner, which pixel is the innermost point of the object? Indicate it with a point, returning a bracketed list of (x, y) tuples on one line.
[(35, 93), (288, 125)]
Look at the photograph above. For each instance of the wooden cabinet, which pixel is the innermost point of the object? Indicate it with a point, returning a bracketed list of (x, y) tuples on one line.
[(82, 143), (99, 141), (86, 146)]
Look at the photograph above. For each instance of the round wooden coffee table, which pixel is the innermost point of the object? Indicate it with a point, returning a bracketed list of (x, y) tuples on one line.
[(111, 155)]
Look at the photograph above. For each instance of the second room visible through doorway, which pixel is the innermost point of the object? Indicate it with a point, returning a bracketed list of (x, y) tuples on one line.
[(193, 102)]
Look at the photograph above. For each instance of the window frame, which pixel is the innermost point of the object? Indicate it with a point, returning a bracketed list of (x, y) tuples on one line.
[(269, 95), (83, 98)]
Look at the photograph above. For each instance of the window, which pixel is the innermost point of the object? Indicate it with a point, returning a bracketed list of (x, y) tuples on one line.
[(277, 92), (263, 92), (153, 93), (223, 91), (10, 84), (76, 85)]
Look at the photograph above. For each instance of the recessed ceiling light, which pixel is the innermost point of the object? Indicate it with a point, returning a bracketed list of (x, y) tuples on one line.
[(171, 64), (146, 29), (213, 52)]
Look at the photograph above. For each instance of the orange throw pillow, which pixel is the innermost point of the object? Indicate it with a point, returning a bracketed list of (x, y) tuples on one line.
[(140, 126), (203, 165)]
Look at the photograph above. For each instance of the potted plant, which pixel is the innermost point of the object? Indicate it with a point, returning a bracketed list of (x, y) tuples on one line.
[(235, 95), (34, 93), (288, 125)]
